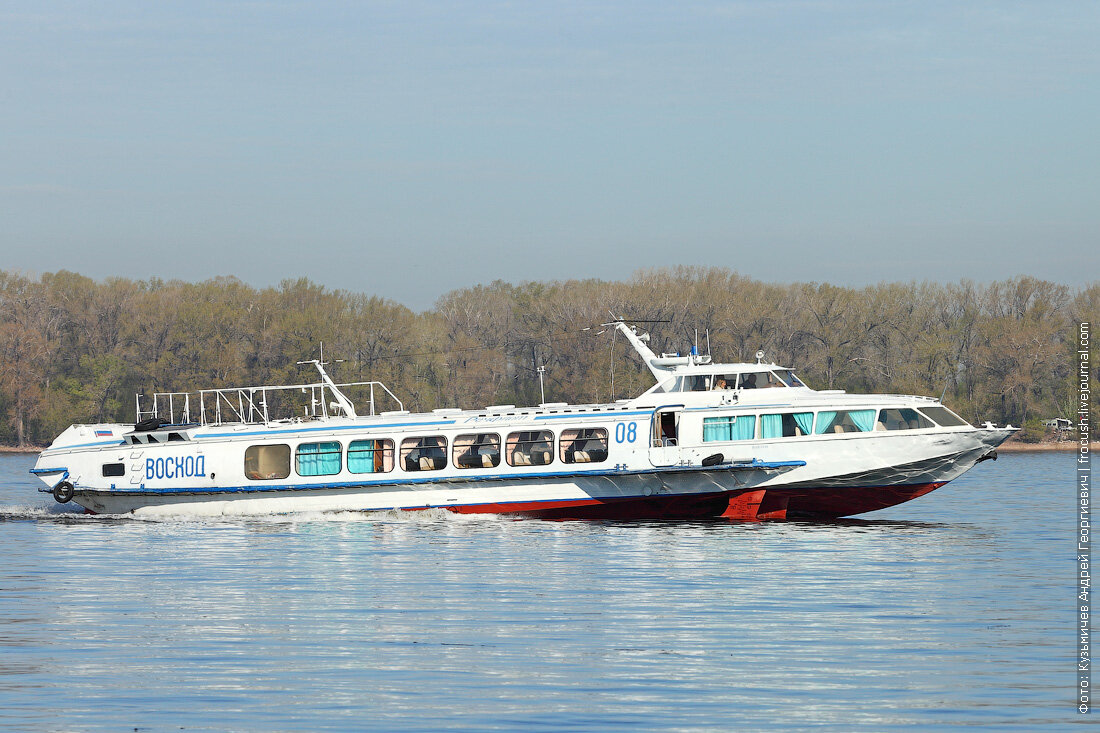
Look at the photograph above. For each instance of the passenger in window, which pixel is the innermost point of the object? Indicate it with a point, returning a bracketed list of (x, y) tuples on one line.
[(749, 382), (720, 383)]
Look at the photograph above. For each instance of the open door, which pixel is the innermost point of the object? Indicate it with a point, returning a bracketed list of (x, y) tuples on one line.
[(664, 436)]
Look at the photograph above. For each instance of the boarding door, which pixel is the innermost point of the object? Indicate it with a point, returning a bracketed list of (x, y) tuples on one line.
[(664, 436)]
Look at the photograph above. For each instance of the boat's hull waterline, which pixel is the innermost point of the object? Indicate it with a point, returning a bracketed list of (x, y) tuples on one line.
[(736, 441)]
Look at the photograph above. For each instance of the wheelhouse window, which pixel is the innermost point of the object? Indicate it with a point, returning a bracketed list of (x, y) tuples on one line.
[(427, 453), (787, 377), (844, 421), (480, 450), (696, 383), (724, 381), (944, 417), (902, 419), (760, 380), (530, 448), (264, 462), (584, 445), (729, 427), (318, 459), (786, 425), (370, 456)]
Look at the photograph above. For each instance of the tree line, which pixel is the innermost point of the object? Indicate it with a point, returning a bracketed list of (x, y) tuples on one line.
[(76, 350)]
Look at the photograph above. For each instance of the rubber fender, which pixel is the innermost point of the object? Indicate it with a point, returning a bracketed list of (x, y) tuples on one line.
[(63, 492)]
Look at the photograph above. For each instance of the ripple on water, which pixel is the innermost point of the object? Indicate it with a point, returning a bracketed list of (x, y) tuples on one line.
[(937, 614)]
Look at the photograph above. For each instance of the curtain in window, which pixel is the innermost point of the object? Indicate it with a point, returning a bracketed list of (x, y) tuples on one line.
[(825, 420), (717, 428), (771, 426), (864, 419), (318, 459), (744, 428), (361, 456), (804, 421)]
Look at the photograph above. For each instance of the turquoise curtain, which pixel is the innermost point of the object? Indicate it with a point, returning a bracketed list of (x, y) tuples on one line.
[(771, 426), (729, 428), (825, 420), (318, 459), (804, 421), (864, 419), (361, 456), (717, 428)]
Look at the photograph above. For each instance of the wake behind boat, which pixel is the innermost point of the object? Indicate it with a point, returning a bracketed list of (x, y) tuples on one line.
[(742, 441)]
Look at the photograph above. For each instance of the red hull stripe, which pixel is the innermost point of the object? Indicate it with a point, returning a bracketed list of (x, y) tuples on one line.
[(750, 505)]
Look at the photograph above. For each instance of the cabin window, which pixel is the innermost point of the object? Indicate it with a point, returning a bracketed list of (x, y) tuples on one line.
[(370, 456), (318, 459), (173, 437), (424, 454), (844, 421), (584, 445), (480, 450), (902, 419), (786, 425), (114, 469), (944, 417), (262, 462), (739, 427), (530, 448)]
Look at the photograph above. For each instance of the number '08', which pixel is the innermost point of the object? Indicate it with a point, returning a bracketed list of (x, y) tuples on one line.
[(626, 432)]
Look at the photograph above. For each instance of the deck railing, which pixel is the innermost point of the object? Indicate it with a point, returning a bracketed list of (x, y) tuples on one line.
[(256, 404)]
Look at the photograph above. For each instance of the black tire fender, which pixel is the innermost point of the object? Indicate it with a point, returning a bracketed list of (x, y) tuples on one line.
[(63, 492)]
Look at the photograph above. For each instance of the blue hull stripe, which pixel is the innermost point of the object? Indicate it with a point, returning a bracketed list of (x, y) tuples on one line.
[(443, 483)]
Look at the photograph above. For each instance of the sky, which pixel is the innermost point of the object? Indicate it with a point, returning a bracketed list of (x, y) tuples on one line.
[(405, 149)]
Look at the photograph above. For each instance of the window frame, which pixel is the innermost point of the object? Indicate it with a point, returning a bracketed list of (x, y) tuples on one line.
[(563, 441), (511, 448), (264, 447), (391, 450), (950, 413), (834, 422), (458, 444), (730, 421), (881, 419), (781, 415), (417, 442)]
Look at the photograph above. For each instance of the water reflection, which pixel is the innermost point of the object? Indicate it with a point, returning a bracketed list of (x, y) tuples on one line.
[(936, 615)]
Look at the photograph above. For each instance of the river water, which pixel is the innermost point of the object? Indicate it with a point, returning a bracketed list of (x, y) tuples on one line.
[(953, 610)]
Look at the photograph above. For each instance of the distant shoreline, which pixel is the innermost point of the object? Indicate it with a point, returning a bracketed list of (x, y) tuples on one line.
[(1063, 446)]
